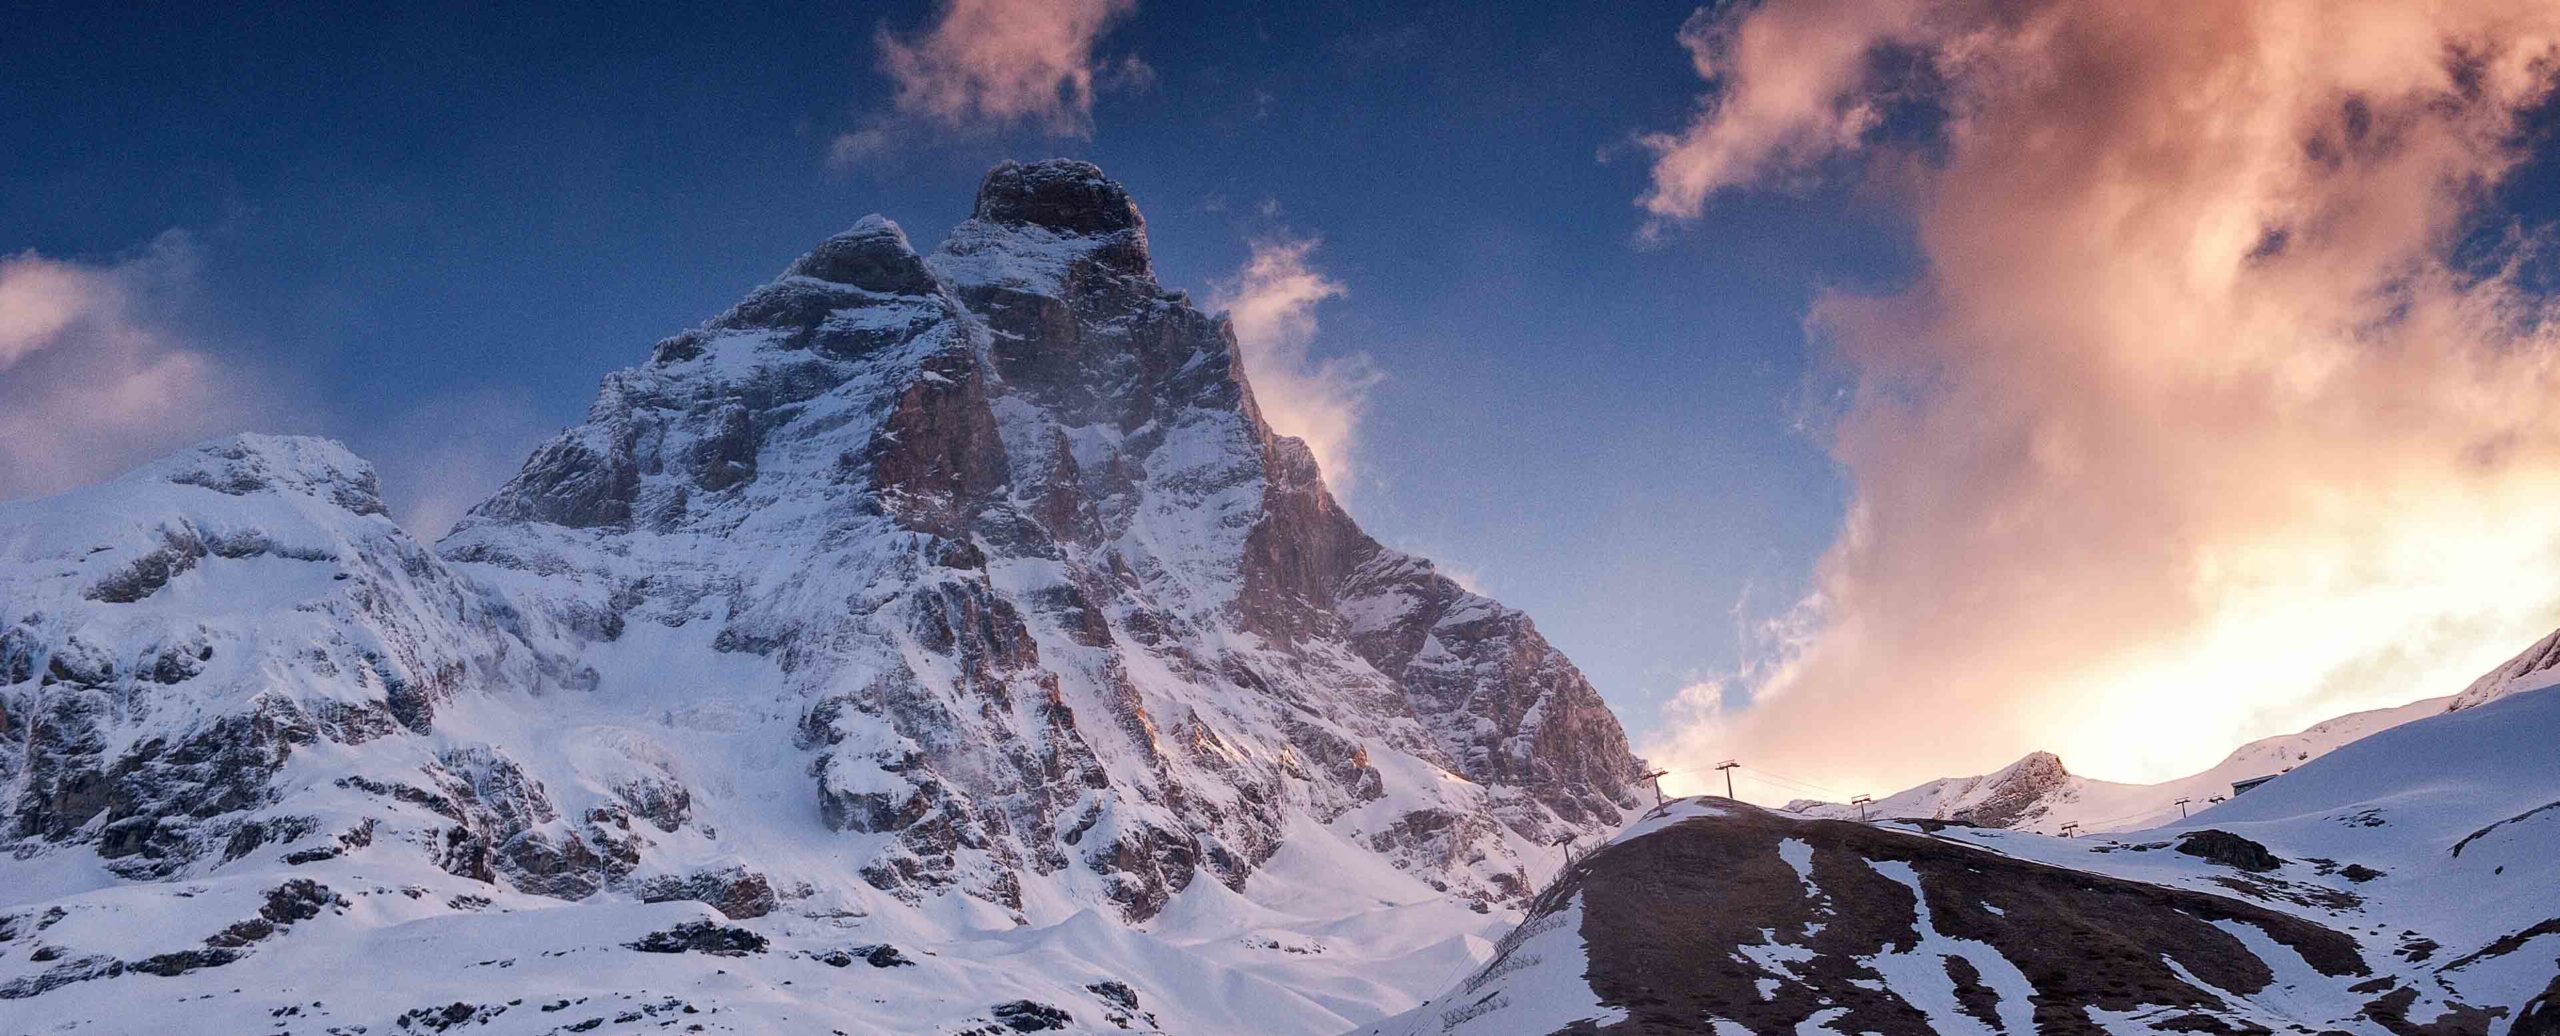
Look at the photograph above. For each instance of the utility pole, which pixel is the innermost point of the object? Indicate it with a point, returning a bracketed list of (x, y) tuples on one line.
[(1727, 766), (1656, 777), (2182, 808), (2067, 829), (1861, 802)]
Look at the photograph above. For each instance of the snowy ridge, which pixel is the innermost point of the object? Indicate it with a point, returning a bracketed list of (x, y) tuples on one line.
[(2038, 794), (2536, 668)]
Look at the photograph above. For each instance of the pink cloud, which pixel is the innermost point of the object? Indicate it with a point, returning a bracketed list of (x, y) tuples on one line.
[(92, 378), (1004, 62), (2193, 430)]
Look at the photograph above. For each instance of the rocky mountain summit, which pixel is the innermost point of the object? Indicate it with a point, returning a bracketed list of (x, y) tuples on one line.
[(955, 592), (1052, 597)]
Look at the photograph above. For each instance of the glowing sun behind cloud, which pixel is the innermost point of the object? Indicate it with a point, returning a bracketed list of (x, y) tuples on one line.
[(2194, 428)]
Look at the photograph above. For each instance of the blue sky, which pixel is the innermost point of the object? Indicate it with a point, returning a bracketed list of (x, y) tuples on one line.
[(428, 232)]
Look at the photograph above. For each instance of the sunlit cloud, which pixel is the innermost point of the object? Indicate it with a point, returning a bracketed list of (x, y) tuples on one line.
[(2193, 429), (95, 373), (992, 66), (1272, 303), (1007, 61), (1790, 75)]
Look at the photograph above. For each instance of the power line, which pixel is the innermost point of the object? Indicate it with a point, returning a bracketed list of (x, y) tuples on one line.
[(1766, 777), (1784, 786), (1774, 779), (1800, 782)]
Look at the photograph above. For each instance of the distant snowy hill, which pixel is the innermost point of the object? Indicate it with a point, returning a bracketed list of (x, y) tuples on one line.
[(2538, 667), (2407, 882), (928, 643), (2038, 794)]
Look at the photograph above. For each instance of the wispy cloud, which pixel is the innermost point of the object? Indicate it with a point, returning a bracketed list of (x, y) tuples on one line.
[(1272, 302), (2194, 427), (447, 454), (96, 372), (995, 65)]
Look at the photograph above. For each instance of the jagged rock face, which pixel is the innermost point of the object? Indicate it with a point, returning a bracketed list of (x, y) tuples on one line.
[(2014, 794), (1004, 536)]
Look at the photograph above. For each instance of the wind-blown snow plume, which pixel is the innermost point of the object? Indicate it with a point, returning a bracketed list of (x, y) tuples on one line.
[(92, 378), (449, 452), (1272, 302), (2195, 426), (1003, 62)]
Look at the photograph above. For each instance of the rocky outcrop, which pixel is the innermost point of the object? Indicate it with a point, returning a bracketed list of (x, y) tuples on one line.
[(2013, 794), (1663, 914), (736, 892), (1715, 916), (2229, 850)]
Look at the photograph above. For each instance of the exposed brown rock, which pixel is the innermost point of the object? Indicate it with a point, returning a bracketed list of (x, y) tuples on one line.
[(1664, 916)]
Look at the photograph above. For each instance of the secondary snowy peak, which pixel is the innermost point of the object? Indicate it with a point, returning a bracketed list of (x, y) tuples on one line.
[(170, 640), (246, 464)]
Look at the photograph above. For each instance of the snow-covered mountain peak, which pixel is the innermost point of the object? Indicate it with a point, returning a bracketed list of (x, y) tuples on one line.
[(243, 464), (2033, 766), (956, 591), (1037, 227)]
